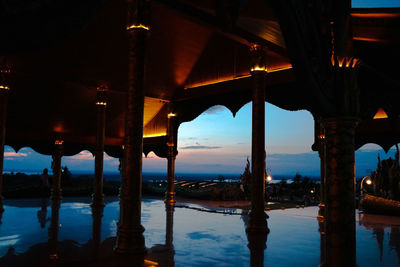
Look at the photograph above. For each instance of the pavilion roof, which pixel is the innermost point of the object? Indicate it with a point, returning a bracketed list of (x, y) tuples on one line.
[(197, 56)]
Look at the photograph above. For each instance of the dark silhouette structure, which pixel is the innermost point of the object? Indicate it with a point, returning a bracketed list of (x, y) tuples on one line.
[(89, 75)]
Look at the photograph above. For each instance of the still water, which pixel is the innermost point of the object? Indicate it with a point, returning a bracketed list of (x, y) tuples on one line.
[(197, 238)]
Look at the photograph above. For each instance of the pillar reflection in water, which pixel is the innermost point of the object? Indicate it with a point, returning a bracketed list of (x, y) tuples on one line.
[(321, 229), (53, 230), (163, 254), (97, 215), (169, 235), (42, 213), (257, 242)]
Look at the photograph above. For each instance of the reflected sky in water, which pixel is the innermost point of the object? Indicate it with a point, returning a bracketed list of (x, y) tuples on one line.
[(200, 238)]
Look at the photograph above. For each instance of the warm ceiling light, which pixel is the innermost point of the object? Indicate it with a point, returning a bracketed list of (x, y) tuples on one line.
[(380, 114), (4, 87), (101, 103), (59, 142), (155, 135), (258, 68)]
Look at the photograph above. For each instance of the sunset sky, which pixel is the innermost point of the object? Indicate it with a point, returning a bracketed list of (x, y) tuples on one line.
[(216, 142)]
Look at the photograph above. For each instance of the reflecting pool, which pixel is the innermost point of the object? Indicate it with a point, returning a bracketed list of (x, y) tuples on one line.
[(36, 232)]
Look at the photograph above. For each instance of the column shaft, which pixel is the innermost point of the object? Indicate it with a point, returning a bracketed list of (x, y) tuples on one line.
[(57, 154), (257, 215), (3, 118), (130, 231), (98, 197), (171, 143), (340, 191)]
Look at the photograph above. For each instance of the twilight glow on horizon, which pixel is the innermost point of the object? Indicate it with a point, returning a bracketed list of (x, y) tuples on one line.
[(216, 142)]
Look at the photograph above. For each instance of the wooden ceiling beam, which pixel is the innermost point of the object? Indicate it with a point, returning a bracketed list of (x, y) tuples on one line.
[(237, 34)]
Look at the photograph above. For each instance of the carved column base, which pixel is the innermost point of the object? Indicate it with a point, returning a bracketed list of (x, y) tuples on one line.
[(170, 198), (130, 241)]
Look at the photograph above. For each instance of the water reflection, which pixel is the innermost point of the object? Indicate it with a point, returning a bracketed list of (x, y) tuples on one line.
[(394, 241), (42, 213), (163, 254), (54, 229), (80, 235), (97, 215)]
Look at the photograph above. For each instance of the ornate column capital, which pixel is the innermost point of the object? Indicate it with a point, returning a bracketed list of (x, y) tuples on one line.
[(258, 59), (101, 94), (345, 86), (138, 16)]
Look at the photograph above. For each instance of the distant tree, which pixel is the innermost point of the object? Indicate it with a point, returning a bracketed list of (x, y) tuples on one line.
[(297, 178), (65, 174)]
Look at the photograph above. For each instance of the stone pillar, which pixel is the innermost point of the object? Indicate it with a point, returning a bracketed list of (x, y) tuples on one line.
[(98, 196), (130, 237), (340, 191), (257, 218), (171, 143), (97, 215), (53, 230), (4, 88), (56, 166)]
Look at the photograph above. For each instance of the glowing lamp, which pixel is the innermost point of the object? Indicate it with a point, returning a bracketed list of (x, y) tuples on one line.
[(269, 178), (101, 103), (321, 136), (4, 87), (140, 26), (59, 142), (344, 62), (367, 180), (258, 68), (380, 114), (53, 256), (170, 115)]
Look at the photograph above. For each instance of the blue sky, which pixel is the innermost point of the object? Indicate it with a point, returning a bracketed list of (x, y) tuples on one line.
[(374, 3), (216, 142)]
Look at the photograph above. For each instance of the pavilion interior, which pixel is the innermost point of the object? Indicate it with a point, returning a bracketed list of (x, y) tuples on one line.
[(197, 55)]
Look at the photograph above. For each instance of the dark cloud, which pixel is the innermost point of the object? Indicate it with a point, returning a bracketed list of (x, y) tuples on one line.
[(200, 147), (214, 109)]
